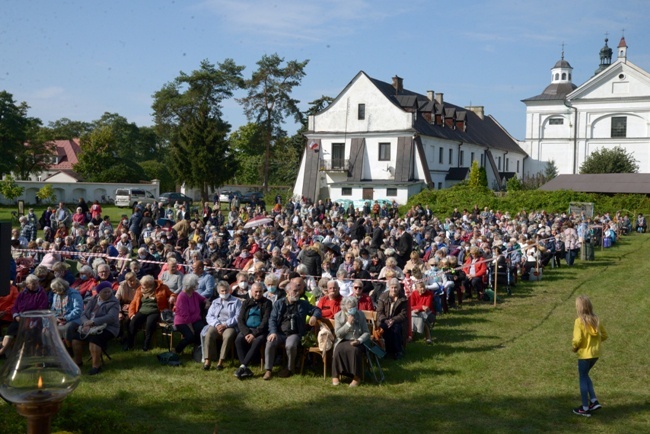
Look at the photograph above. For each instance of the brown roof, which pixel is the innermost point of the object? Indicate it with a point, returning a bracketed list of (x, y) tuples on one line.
[(601, 183), (67, 151)]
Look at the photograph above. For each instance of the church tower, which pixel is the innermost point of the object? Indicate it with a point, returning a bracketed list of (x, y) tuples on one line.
[(561, 72), (605, 58), (622, 49)]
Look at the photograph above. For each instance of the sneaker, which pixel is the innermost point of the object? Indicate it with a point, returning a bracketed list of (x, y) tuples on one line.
[(581, 412), (595, 406), (267, 375), (247, 373), (239, 372)]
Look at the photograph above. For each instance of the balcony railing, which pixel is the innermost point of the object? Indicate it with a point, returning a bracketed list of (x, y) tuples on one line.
[(335, 165)]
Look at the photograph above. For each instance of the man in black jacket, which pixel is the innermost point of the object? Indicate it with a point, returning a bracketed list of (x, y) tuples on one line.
[(253, 324), (404, 246)]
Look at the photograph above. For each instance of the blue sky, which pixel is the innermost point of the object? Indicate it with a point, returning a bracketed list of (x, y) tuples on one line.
[(79, 59)]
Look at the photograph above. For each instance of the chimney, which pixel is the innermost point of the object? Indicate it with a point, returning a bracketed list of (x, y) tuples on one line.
[(477, 109), (431, 95), (439, 98), (398, 84)]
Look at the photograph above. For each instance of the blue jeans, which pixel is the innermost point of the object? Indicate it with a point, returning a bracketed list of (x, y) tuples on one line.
[(586, 386), (571, 256)]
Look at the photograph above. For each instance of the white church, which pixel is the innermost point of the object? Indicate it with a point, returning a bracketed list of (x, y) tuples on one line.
[(566, 123)]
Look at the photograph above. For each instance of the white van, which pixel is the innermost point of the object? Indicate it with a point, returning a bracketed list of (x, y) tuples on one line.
[(130, 196)]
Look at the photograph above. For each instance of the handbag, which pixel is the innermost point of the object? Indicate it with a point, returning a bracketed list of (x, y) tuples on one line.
[(95, 330)]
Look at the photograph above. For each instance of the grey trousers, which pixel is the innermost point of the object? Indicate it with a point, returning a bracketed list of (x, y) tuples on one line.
[(210, 343), (290, 344)]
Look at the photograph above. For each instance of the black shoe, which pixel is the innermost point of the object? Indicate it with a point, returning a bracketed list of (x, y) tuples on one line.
[(145, 348), (247, 373), (581, 412), (240, 372), (219, 367), (206, 367), (595, 406), (95, 371), (126, 347)]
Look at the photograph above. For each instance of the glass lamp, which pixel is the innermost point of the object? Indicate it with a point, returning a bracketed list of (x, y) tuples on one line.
[(39, 373)]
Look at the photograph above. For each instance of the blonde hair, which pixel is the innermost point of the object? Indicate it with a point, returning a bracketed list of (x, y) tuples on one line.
[(586, 313)]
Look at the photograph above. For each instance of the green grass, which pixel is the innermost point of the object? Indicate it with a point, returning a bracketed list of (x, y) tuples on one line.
[(502, 369)]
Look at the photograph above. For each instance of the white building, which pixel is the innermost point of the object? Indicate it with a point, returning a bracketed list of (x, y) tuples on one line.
[(566, 123), (380, 141)]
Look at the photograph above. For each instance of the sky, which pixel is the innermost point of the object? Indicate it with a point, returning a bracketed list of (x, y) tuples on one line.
[(79, 59)]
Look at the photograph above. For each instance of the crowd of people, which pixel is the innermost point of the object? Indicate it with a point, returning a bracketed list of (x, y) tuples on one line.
[(260, 280)]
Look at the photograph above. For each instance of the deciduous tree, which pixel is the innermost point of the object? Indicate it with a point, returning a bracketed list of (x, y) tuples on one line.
[(615, 160)]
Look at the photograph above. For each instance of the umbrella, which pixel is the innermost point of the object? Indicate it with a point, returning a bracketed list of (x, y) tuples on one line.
[(163, 221), (258, 221), (333, 247)]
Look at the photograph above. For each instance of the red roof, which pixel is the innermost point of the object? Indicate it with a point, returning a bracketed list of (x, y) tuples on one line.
[(622, 43), (67, 151)]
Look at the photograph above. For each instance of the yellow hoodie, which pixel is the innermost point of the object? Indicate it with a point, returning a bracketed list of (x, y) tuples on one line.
[(586, 340)]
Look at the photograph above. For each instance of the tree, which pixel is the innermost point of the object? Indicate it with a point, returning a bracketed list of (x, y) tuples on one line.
[(122, 171), (96, 153), (269, 101), (514, 184), (35, 156), (195, 101), (615, 160), (66, 129), (194, 153), (474, 175), (10, 189), (154, 169), (550, 171), (13, 131), (46, 194)]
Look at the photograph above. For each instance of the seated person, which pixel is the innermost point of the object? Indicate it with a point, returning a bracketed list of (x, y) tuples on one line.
[(286, 328), (104, 275), (62, 270), (330, 304), (222, 326), (85, 282), (172, 277), (206, 281), (363, 300), (391, 315), (351, 332), (124, 295), (423, 316), (273, 292), (187, 318), (102, 308), (67, 306), (151, 298), (6, 304), (475, 270), (240, 286), (253, 322)]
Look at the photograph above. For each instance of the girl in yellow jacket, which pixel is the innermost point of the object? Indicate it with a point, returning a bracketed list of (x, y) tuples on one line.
[(588, 333)]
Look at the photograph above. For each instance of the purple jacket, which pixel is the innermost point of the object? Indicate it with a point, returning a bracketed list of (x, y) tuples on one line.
[(28, 300), (188, 309)]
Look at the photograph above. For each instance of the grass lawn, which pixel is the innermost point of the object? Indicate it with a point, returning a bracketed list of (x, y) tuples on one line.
[(490, 370)]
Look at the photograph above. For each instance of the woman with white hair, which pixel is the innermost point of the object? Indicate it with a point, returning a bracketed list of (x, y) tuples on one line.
[(67, 306), (351, 332), (86, 281), (33, 297), (188, 320), (171, 276)]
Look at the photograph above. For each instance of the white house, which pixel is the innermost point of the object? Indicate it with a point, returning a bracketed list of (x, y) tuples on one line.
[(566, 123), (380, 141)]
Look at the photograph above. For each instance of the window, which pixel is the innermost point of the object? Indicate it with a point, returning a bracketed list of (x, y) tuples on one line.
[(451, 156), (471, 158), (557, 76), (361, 111), (499, 164), (440, 155), (338, 155), (384, 152), (569, 76), (517, 166), (461, 159), (619, 126), (564, 76), (391, 192), (482, 159), (346, 191), (440, 186), (556, 121), (507, 164)]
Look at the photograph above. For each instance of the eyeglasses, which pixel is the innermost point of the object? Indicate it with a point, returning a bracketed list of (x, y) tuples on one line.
[(358, 287)]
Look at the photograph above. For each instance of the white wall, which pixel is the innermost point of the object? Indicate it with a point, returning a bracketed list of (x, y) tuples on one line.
[(72, 191)]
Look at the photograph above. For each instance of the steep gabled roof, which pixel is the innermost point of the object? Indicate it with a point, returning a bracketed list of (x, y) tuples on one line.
[(67, 152)]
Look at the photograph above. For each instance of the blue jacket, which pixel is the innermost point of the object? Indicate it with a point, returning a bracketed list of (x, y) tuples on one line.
[(304, 309), (74, 307), (232, 305)]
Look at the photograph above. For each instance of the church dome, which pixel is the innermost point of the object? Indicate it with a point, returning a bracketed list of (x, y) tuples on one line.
[(562, 64)]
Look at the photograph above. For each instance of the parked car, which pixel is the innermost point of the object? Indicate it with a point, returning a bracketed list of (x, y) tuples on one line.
[(227, 195), (172, 197), (130, 196), (251, 196)]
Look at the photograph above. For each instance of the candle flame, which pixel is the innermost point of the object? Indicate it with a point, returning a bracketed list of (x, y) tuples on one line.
[(40, 382)]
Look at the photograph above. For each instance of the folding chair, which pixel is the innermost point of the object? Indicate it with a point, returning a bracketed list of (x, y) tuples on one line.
[(316, 350)]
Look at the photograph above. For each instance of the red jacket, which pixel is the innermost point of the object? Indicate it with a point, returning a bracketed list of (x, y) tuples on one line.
[(417, 301), (480, 267), (7, 303), (162, 298)]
